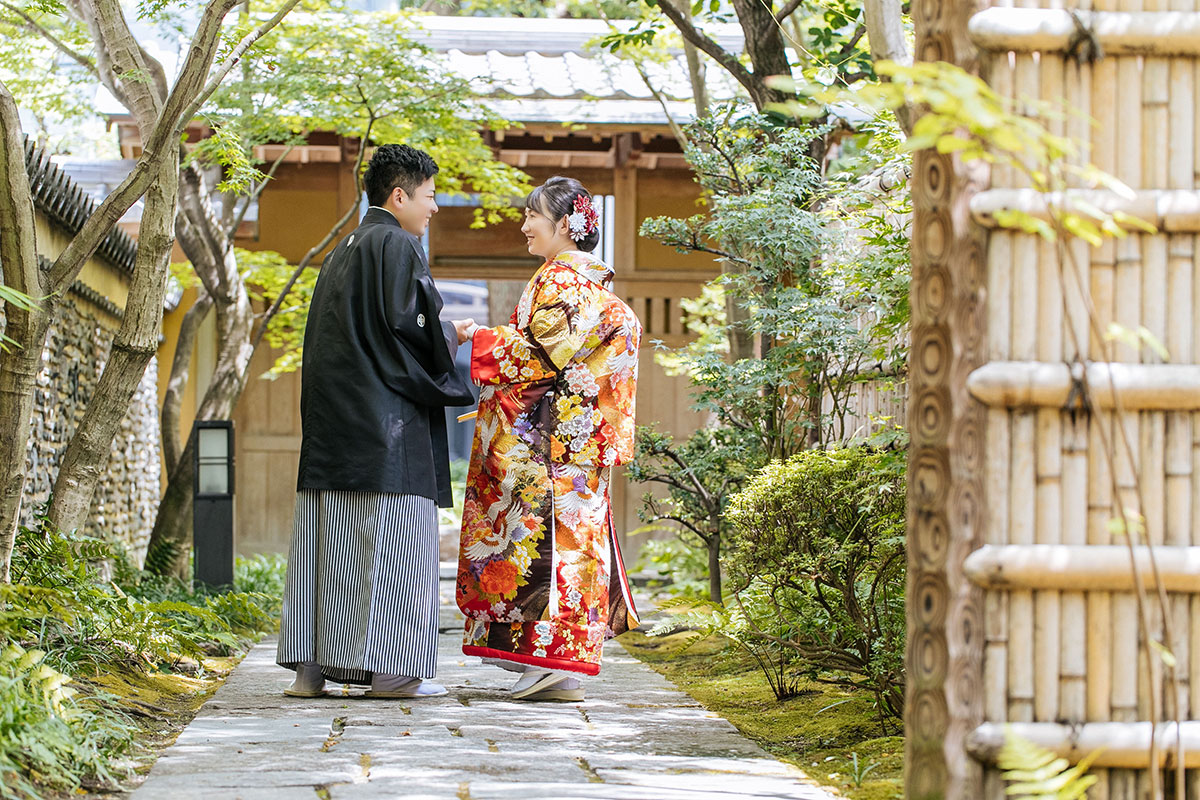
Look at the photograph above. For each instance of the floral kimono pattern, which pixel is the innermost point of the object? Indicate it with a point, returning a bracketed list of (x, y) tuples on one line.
[(540, 577)]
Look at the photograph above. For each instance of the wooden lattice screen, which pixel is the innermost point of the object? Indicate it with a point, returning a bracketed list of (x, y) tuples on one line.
[(1021, 603)]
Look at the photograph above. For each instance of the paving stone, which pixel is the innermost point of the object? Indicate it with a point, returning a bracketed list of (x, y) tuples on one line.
[(636, 737)]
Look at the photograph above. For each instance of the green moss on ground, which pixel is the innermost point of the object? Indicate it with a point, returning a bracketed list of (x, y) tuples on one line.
[(819, 731), (160, 704)]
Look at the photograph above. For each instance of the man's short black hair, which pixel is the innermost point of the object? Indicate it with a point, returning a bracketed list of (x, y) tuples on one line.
[(397, 165)]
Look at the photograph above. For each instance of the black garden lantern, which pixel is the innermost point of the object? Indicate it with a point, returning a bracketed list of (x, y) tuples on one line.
[(212, 505)]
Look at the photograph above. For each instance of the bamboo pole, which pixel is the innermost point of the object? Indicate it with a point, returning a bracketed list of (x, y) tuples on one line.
[(1156, 126), (1036, 384), (1000, 294), (1171, 210), (1127, 677), (1076, 567), (1073, 637), (1119, 33), (1125, 659), (1103, 288), (1101, 283), (1048, 526), (1021, 664), (1122, 745)]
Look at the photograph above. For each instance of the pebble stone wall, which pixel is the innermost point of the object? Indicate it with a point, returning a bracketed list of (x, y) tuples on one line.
[(126, 498)]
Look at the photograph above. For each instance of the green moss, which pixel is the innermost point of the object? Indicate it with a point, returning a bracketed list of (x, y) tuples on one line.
[(819, 730)]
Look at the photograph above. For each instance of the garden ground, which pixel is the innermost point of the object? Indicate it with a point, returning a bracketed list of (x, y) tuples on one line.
[(832, 733), (636, 736)]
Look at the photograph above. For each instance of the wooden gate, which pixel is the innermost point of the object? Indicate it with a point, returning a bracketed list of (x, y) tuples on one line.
[(1023, 612)]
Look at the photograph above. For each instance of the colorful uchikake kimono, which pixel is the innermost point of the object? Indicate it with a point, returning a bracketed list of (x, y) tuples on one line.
[(540, 577)]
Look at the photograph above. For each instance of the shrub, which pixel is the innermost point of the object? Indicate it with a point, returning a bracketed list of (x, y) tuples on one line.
[(76, 607), (50, 736), (816, 568)]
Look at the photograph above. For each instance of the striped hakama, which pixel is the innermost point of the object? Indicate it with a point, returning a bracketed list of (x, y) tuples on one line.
[(362, 586)]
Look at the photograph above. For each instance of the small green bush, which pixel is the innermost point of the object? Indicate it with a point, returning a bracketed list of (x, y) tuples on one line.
[(51, 737), (816, 568), (681, 567), (78, 607)]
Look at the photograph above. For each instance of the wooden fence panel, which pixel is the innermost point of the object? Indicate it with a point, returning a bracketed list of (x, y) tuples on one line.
[(1062, 656)]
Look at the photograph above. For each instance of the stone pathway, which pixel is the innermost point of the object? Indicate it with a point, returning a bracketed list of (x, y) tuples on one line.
[(636, 737)]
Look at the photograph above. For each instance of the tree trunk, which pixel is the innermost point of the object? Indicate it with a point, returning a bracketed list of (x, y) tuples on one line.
[(19, 367), (764, 44), (885, 31), (133, 346), (741, 339), (695, 65), (185, 343), (885, 35), (714, 569), (169, 541), (20, 363), (210, 250)]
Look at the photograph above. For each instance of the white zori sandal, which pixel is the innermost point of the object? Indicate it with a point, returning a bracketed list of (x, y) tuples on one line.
[(539, 684), (396, 687)]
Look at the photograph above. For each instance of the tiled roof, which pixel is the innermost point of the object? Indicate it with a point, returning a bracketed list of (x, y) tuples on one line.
[(552, 60), (67, 203), (549, 60)]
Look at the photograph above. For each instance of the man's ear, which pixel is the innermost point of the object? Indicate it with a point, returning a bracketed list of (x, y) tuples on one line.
[(399, 196)]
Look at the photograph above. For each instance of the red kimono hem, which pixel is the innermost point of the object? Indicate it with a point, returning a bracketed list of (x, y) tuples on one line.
[(536, 661)]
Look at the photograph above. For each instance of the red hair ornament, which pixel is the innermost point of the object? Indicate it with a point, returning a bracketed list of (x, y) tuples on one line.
[(585, 220)]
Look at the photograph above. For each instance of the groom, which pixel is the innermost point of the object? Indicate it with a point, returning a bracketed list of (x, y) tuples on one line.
[(361, 600)]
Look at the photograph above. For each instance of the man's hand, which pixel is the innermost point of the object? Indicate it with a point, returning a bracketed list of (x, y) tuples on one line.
[(464, 328)]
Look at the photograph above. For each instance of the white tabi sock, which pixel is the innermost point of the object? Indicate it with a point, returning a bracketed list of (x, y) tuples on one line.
[(308, 677)]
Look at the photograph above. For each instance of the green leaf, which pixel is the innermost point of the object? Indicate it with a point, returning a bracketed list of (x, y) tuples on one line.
[(1168, 658), (1131, 221)]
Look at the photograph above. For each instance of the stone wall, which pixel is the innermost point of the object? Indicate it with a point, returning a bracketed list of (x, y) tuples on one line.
[(76, 351)]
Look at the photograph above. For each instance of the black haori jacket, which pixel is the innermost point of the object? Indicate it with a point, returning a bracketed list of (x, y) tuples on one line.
[(378, 369)]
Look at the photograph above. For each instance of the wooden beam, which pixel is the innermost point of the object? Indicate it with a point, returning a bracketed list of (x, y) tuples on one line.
[(1065, 568), (1171, 210), (625, 238), (1146, 387), (1028, 30), (627, 147), (1123, 745)]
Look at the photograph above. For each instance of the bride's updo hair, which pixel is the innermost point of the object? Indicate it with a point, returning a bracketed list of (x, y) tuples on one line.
[(555, 199)]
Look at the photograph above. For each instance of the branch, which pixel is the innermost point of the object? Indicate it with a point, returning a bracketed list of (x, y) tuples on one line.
[(849, 46), (676, 130), (700, 490), (185, 342), (722, 56), (120, 61), (18, 246), (181, 104), (98, 226), (694, 244), (321, 245), (235, 56), (258, 190), (705, 537), (788, 9), (667, 480), (59, 44)]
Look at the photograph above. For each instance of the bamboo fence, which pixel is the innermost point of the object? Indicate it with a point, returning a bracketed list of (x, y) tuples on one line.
[(1021, 588)]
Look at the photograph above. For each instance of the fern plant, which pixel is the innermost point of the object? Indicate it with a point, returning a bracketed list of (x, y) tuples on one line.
[(1035, 773), (78, 606), (50, 736)]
